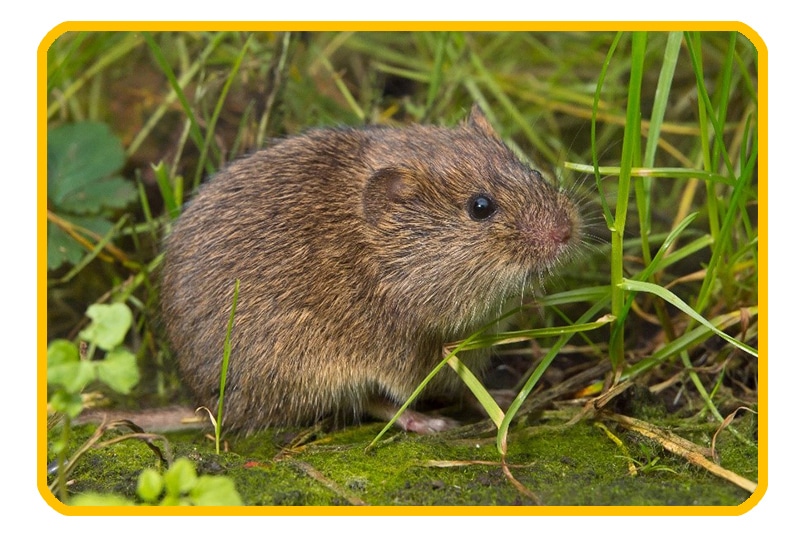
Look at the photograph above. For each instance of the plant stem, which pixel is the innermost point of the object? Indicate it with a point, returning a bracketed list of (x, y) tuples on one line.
[(630, 156), (226, 353), (62, 459)]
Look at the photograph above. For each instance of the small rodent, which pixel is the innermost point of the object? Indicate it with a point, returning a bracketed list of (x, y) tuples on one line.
[(360, 253)]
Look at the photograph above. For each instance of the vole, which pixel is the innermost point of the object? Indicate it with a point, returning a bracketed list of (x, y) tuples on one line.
[(360, 253)]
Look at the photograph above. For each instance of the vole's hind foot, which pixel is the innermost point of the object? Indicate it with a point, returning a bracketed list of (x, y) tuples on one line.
[(410, 420), (420, 423)]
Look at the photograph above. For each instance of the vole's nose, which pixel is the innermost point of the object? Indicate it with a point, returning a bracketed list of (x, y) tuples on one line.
[(561, 230), (549, 233)]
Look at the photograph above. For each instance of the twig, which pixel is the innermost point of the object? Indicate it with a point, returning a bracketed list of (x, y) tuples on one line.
[(314, 473), (682, 447)]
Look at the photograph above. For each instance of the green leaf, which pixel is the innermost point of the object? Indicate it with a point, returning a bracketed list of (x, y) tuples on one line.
[(215, 491), (61, 351), (98, 499), (72, 376), (484, 397), (633, 285), (70, 404), (180, 478), (83, 161), (171, 194), (490, 340), (62, 248), (59, 445), (171, 500), (110, 323), (118, 370), (150, 485), (66, 369), (78, 155), (111, 192)]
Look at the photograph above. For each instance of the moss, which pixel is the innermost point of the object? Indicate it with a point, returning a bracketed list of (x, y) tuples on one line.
[(562, 465)]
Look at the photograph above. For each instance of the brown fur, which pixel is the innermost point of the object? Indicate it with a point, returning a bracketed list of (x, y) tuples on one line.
[(358, 260)]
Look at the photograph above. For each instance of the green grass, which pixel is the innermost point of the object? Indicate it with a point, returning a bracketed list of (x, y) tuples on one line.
[(668, 178)]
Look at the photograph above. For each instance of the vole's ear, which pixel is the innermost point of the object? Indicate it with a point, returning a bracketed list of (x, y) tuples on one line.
[(385, 187), (478, 121)]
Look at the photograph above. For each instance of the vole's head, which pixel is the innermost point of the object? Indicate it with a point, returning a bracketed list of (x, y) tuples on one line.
[(458, 223)]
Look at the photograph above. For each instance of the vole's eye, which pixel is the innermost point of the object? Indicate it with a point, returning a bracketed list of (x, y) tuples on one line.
[(481, 207)]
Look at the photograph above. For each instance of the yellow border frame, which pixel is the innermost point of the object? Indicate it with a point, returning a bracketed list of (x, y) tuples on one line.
[(41, 123)]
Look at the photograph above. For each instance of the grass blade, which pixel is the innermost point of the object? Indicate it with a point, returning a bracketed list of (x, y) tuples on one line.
[(667, 295), (226, 355), (630, 158)]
